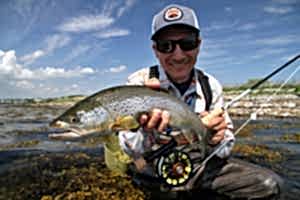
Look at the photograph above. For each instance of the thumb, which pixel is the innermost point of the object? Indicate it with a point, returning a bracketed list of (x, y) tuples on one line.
[(153, 83), (203, 114), (213, 114)]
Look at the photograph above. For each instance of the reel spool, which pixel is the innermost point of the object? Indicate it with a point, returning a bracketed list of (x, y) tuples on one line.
[(175, 168)]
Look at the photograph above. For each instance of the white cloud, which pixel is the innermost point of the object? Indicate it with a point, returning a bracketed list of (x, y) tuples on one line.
[(211, 49), (261, 53), (127, 6), (8, 63), (77, 51), (118, 7), (24, 84), (56, 41), (247, 27), (109, 7), (10, 68), (112, 33), (285, 1), (221, 25), (277, 10), (86, 23), (56, 72), (74, 86), (52, 42), (288, 57), (87, 70), (23, 8), (228, 9), (279, 40), (30, 58), (117, 69)]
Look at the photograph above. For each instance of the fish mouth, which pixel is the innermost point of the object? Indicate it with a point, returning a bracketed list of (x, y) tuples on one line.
[(66, 131), (70, 133)]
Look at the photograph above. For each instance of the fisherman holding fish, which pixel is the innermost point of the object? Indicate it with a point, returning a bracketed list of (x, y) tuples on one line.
[(176, 143), (176, 45)]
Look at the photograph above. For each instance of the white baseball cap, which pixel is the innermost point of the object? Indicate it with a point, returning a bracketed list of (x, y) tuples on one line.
[(174, 14)]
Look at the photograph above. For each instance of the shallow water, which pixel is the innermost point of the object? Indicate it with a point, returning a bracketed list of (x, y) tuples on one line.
[(34, 167)]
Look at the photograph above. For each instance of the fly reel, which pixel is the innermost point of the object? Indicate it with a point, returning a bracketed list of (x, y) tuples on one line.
[(175, 168)]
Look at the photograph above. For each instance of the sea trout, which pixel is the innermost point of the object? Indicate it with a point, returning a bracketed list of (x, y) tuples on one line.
[(118, 108)]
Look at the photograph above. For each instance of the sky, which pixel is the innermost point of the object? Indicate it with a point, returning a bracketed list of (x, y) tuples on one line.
[(52, 48)]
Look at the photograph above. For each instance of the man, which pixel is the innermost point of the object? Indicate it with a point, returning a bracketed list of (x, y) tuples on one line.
[(176, 44)]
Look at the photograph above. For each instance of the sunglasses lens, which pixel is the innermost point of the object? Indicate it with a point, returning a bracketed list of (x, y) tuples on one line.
[(164, 46), (188, 44), (168, 46)]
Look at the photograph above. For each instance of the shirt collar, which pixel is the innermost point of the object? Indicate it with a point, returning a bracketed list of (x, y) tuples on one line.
[(165, 83)]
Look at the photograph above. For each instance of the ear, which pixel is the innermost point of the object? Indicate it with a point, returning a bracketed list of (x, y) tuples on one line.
[(199, 41), (154, 49)]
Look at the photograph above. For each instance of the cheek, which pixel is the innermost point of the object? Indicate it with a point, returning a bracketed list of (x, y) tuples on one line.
[(164, 59), (193, 56)]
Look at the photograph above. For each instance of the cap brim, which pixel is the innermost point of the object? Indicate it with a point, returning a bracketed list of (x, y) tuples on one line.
[(155, 35)]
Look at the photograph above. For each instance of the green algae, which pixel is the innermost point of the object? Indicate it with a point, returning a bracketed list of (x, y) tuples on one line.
[(66, 176), (293, 138), (258, 151), (20, 144)]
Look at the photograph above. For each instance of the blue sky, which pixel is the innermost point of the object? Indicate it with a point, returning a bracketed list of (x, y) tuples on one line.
[(61, 47)]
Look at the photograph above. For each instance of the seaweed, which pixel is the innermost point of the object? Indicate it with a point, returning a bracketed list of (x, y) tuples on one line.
[(66, 176)]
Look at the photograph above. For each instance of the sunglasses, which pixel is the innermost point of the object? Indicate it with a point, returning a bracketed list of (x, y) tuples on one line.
[(168, 46)]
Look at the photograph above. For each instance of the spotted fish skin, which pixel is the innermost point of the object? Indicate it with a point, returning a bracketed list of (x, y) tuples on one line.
[(97, 113)]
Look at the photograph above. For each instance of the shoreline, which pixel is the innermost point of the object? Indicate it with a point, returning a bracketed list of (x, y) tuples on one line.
[(280, 106)]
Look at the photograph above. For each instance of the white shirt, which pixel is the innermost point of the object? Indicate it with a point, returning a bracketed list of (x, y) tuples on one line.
[(133, 142)]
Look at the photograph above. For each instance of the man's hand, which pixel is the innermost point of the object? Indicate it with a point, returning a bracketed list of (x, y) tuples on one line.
[(157, 119), (215, 122), (140, 164)]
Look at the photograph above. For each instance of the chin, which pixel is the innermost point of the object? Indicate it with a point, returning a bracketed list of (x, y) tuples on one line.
[(181, 79)]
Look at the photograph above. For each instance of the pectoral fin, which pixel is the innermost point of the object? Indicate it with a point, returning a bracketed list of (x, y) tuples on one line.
[(125, 123)]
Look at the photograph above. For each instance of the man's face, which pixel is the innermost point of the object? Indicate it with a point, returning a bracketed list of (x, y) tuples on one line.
[(178, 59)]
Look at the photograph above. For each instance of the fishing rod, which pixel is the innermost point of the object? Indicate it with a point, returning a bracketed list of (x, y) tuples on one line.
[(256, 85), (198, 170), (253, 115)]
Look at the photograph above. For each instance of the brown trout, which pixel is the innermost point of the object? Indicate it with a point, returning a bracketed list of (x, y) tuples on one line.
[(118, 108)]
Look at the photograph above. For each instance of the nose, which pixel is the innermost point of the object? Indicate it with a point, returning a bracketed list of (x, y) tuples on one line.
[(178, 53)]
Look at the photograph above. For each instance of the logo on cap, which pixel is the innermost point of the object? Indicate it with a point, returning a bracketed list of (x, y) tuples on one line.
[(173, 13)]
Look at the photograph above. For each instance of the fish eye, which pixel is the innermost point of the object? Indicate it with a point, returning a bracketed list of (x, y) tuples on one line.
[(74, 119)]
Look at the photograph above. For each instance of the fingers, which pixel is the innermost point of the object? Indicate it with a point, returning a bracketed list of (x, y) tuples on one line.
[(154, 119), (212, 123), (153, 83), (158, 119), (143, 119), (215, 122), (165, 118), (203, 114), (140, 164), (221, 125), (208, 117), (217, 137)]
